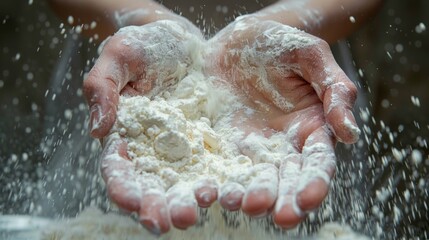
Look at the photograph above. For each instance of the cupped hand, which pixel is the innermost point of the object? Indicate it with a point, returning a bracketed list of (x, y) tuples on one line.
[(138, 60), (289, 83), (287, 79)]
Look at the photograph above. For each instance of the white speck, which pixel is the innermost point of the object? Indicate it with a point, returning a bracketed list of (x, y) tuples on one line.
[(27, 130), (79, 92), (70, 20), (364, 115), (30, 2), (385, 103), (68, 114), (397, 154), (54, 96), (352, 19), (78, 29), (420, 28), (397, 215), (17, 56), (382, 194), (34, 107), (422, 183), (388, 54), (25, 156), (225, 9), (407, 195), (416, 156), (415, 101), (15, 101), (30, 76), (1, 83), (93, 25), (399, 47), (360, 72)]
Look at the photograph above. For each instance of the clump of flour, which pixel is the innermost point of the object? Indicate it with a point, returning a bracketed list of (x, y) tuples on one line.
[(185, 133)]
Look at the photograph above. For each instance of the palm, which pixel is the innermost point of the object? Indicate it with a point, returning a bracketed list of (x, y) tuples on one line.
[(282, 85)]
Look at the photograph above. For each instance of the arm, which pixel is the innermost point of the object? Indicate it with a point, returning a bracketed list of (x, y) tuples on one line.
[(329, 19), (111, 14)]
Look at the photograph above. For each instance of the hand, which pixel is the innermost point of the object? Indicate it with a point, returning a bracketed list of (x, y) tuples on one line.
[(292, 84), (137, 61)]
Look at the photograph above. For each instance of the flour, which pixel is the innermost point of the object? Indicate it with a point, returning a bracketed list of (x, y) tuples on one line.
[(180, 136), (92, 224), (191, 128)]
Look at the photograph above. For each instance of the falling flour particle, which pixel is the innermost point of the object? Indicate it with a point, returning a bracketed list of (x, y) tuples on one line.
[(417, 157), (70, 19), (420, 28)]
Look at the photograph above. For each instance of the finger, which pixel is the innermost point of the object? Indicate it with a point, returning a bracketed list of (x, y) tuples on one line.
[(133, 192), (287, 214), (182, 205), (113, 69), (205, 192), (262, 191), (153, 214), (333, 87), (231, 195), (119, 175), (318, 168)]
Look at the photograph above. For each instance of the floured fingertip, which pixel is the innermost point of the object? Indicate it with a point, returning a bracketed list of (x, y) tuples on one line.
[(154, 215), (287, 214), (261, 194), (343, 126), (312, 195), (352, 127), (231, 195), (206, 192), (182, 205)]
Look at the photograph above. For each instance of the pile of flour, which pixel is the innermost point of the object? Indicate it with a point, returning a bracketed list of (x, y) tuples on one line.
[(188, 133)]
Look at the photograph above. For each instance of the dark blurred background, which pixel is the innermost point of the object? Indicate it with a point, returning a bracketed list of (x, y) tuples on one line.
[(47, 160)]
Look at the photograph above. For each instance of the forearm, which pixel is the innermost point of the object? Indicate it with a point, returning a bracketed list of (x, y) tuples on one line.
[(109, 15), (330, 20)]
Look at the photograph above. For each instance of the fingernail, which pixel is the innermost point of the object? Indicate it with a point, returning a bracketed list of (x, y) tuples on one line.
[(95, 113), (354, 130), (152, 227)]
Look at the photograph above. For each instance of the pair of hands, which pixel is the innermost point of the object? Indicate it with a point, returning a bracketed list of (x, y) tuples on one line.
[(304, 91)]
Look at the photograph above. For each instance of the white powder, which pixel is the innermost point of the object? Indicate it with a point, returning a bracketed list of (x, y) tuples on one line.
[(185, 134), (92, 224), (191, 129)]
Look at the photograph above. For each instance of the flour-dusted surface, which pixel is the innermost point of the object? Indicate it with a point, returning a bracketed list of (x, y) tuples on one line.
[(92, 224)]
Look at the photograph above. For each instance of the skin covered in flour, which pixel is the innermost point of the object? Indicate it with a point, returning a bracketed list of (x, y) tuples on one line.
[(281, 74), (120, 70), (271, 78)]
